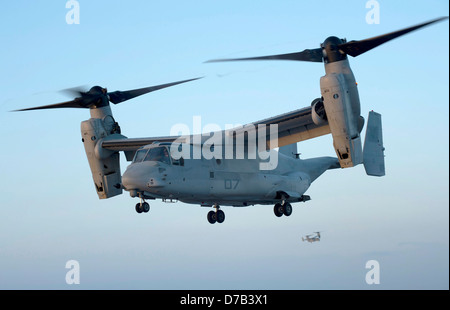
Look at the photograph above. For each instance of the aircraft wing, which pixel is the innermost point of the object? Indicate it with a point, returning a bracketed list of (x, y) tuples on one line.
[(294, 126), (127, 144)]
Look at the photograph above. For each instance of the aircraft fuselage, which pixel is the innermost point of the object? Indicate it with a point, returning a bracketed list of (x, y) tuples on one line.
[(231, 182)]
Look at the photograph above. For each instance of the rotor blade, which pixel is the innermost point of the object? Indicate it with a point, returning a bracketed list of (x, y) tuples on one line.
[(121, 96), (76, 103), (314, 55), (75, 91), (356, 48)]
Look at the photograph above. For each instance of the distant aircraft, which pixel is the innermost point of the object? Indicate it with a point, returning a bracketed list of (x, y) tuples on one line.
[(315, 237)]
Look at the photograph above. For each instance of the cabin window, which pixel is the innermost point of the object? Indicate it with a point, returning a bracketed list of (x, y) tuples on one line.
[(160, 154), (139, 156)]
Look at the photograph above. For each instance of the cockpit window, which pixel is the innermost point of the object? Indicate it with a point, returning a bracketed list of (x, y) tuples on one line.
[(160, 154), (139, 156)]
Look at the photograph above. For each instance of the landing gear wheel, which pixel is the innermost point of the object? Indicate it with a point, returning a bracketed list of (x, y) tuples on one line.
[(142, 207), (287, 208), (278, 210), (212, 217), (220, 215), (139, 208), (145, 207)]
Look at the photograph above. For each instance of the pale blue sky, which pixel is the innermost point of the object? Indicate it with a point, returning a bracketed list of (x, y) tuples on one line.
[(49, 210)]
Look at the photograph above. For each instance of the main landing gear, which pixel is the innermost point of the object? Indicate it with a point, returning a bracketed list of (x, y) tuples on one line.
[(216, 216), (283, 208), (142, 206)]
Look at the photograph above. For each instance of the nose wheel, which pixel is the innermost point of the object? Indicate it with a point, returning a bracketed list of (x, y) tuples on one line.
[(216, 216), (142, 207)]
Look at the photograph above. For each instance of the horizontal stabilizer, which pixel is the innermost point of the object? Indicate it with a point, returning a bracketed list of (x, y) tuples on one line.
[(373, 152)]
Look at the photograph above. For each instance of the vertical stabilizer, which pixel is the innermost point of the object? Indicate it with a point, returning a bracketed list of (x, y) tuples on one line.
[(373, 152)]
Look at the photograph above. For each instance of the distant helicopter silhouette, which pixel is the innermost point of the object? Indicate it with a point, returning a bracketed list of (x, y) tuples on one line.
[(312, 237)]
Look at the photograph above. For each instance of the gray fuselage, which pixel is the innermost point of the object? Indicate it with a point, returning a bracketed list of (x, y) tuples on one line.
[(232, 182)]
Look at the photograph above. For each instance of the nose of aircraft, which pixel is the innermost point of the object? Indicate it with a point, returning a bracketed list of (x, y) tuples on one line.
[(134, 177), (143, 177)]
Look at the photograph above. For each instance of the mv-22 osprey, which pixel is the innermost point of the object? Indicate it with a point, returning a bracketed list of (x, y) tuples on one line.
[(314, 237), (175, 168)]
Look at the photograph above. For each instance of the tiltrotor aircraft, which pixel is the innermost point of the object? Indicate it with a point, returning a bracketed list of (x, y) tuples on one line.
[(315, 237), (238, 167)]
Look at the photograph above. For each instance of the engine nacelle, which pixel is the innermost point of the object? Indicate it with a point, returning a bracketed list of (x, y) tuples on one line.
[(104, 164), (318, 113), (342, 106)]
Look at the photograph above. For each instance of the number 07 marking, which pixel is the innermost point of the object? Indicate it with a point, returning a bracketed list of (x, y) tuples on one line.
[(231, 183)]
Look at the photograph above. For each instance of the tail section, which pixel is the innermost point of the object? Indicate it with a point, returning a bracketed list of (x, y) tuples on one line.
[(373, 152), (315, 167)]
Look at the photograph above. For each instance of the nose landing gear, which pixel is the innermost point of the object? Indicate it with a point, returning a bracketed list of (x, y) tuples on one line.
[(142, 206)]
